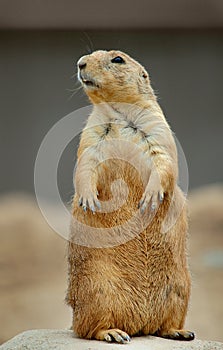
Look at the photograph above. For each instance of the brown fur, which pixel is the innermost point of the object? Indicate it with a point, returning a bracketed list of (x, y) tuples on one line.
[(129, 273)]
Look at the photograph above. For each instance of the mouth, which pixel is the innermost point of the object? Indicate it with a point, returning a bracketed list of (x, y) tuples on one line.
[(88, 82)]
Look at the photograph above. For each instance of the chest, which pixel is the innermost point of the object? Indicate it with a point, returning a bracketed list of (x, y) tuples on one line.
[(127, 133)]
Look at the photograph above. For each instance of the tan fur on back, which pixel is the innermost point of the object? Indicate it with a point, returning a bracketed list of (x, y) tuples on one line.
[(127, 260)]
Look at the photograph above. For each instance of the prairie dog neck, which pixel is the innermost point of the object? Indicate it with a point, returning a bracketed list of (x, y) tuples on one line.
[(122, 113)]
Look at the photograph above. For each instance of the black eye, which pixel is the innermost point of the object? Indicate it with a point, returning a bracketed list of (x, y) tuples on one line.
[(117, 59)]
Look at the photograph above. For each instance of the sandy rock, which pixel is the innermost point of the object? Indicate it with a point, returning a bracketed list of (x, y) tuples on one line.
[(64, 340)]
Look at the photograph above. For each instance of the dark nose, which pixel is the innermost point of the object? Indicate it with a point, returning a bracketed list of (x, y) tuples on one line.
[(82, 65)]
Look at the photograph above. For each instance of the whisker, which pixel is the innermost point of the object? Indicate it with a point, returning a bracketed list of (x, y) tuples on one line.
[(86, 46), (74, 92), (74, 75), (89, 45)]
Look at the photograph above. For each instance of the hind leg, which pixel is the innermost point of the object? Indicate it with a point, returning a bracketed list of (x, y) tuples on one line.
[(172, 327), (91, 325), (175, 308)]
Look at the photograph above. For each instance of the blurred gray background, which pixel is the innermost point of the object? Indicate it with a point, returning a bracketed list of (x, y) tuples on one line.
[(181, 47)]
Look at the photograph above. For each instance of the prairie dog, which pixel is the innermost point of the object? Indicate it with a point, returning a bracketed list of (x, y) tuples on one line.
[(137, 281)]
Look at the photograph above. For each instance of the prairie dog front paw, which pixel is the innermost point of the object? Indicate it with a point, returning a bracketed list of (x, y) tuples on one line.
[(89, 201), (153, 196)]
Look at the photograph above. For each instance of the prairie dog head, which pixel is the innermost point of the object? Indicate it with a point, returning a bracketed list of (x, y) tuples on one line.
[(113, 76)]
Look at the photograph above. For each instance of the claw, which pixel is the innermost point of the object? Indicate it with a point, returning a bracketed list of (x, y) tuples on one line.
[(143, 208), (153, 206), (97, 203), (161, 196), (126, 338), (108, 338), (92, 209), (140, 203), (117, 337)]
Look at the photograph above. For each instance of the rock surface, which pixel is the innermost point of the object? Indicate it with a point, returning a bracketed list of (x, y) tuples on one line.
[(64, 340)]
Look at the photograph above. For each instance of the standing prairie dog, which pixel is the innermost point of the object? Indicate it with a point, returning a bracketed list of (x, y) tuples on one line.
[(137, 281)]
